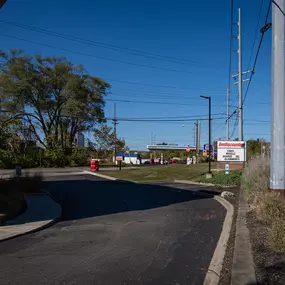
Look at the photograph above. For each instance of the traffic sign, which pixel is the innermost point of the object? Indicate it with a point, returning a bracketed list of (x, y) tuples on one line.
[(188, 149), (206, 147), (119, 158)]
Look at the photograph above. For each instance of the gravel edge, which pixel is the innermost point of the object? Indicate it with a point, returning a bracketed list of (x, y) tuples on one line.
[(269, 264)]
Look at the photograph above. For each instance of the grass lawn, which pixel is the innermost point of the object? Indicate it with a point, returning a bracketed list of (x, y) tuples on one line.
[(162, 173)]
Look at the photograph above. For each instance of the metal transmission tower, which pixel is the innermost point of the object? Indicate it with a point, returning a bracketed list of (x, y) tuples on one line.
[(277, 163), (240, 80)]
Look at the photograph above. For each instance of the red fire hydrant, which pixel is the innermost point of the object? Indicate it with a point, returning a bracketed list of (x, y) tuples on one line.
[(94, 165)]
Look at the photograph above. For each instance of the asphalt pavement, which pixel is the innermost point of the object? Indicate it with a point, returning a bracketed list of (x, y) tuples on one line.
[(115, 233)]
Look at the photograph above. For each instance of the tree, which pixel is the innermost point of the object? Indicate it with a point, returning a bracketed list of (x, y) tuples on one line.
[(56, 98), (104, 141)]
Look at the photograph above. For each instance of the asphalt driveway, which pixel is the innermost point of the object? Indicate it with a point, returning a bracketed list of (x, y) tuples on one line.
[(117, 233)]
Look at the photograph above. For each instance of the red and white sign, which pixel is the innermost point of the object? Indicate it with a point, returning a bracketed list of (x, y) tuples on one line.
[(231, 144), (231, 151), (119, 158), (188, 149)]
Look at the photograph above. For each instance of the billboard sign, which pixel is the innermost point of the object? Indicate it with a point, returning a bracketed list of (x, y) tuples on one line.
[(231, 151)]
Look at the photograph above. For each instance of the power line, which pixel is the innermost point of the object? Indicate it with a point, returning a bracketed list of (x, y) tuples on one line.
[(160, 103), (234, 128), (158, 121), (149, 84), (266, 26), (94, 56), (171, 117), (231, 44), (230, 70), (255, 34), (164, 95), (278, 7), (101, 44)]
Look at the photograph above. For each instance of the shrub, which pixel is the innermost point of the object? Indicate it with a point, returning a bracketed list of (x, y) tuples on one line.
[(55, 157), (79, 157), (220, 178)]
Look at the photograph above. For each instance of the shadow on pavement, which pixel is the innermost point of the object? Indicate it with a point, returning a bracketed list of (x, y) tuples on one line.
[(85, 198)]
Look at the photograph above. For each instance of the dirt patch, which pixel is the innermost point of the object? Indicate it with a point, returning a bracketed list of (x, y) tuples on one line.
[(269, 264), (225, 277)]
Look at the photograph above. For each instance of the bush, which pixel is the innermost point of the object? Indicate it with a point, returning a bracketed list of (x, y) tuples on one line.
[(49, 158), (79, 157), (220, 178)]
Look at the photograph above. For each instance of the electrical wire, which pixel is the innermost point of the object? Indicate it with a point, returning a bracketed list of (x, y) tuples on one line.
[(231, 43), (234, 128), (255, 34), (101, 44), (95, 56), (278, 7), (159, 103), (257, 53)]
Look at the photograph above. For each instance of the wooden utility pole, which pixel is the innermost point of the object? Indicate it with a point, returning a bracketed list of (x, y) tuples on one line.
[(197, 140), (115, 131)]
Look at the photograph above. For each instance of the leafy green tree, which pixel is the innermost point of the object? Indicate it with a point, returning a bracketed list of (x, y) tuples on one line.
[(104, 141), (57, 99)]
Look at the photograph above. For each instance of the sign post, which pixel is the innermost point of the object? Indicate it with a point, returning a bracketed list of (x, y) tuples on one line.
[(227, 168), (119, 158)]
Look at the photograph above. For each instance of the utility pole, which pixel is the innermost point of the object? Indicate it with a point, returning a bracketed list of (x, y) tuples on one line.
[(115, 131), (210, 131), (197, 140), (277, 162), (228, 114), (240, 99), (199, 135)]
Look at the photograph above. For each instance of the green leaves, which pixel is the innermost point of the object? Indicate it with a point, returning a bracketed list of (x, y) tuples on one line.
[(58, 99)]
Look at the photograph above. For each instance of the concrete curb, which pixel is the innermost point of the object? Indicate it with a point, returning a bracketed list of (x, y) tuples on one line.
[(216, 265), (193, 183), (21, 228), (99, 175), (243, 271), (203, 184)]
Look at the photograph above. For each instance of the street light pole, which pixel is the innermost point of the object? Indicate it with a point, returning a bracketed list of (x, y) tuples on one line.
[(210, 132)]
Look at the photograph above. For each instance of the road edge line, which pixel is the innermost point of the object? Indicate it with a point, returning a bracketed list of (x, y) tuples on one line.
[(99, 175), (216, 264)]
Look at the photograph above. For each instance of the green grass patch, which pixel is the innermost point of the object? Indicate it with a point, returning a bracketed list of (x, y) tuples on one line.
[(162, 172), (220, 178)]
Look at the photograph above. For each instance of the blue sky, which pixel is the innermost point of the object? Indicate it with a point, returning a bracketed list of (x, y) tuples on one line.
[(194, 31)]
